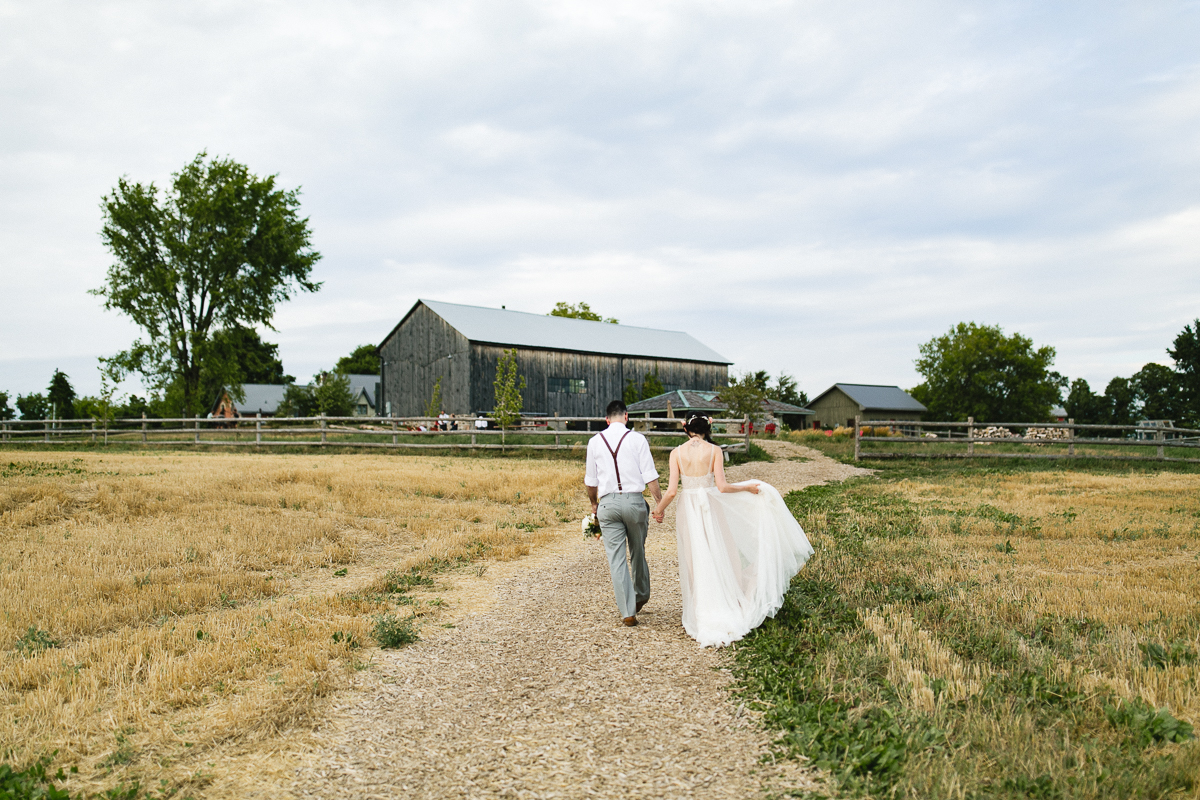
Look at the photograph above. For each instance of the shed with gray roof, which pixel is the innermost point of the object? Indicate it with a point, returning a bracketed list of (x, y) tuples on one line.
[(572, 367), (842, 402)]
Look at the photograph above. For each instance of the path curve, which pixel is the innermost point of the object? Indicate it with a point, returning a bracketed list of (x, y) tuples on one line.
[(538, 692)]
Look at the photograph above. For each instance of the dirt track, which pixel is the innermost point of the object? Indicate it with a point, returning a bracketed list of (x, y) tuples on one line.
[(538, 692)]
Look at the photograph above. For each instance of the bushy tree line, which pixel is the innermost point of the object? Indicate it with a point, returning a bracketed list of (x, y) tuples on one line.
[(1153, 392), (979, 371)]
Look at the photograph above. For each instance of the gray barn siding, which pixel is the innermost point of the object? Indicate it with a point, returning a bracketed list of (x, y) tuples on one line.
[(605, 376), (421, 350)]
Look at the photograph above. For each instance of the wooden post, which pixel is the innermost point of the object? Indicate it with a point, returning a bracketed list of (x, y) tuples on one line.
[(857, 434), (1158, 435), (322, 428), (47, 424), (143, 427), (106, 427), (556, 430), (196, 435), (5, 424), (1071, 446), (746, 428), (393, 431), (93, 431), (258, 429), (970, 436)]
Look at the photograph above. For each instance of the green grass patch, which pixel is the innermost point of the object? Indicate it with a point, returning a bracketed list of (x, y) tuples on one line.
[(392, 631), (828, 680)]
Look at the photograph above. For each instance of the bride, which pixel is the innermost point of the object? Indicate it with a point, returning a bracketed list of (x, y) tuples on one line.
[(739, 546)]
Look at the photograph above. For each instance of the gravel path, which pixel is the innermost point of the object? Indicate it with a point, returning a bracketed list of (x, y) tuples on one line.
[(539, 693)]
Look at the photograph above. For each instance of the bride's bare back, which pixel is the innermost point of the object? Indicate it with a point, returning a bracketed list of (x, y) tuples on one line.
[(696, 458)]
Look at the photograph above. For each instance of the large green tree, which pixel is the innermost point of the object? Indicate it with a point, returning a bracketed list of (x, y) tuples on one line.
[(1159, 392), (744, 397), (219, 249), (1186, 352), (1085, 406), (363, 360), (6, 412), (578, 311), (785, 389), (977, 371), (33, 406), (236, 355)]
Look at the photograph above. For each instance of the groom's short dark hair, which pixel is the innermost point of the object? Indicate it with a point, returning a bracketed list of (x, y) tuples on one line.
[(615, 409)]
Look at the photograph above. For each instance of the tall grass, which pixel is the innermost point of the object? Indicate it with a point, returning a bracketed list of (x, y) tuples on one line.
[(1021, 634), (163, 612)]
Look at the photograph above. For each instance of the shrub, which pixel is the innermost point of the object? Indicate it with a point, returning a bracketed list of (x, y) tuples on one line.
[(35, 640), (393, 632)]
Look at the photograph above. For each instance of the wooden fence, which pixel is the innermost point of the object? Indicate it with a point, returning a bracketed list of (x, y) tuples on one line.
[(959, 440), (531, 433)]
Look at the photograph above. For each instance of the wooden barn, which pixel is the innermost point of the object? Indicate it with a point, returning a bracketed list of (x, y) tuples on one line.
[(572, 367)]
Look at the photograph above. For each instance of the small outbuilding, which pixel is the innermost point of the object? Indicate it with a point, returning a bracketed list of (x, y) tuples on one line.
[(841, 403), (261, 398)]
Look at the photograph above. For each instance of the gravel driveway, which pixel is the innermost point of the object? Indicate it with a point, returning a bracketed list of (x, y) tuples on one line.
[(539, 692)]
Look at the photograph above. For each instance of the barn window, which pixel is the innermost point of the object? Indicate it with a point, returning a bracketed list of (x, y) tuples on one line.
[(568, 385)]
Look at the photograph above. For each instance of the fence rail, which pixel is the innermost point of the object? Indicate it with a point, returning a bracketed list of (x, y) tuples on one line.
[(365, 432), (948, 439)]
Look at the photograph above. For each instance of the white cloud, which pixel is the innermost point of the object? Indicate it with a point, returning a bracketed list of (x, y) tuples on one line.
[(814, 188)]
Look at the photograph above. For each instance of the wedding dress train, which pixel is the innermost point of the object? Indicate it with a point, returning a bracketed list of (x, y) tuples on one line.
[(737, 555)]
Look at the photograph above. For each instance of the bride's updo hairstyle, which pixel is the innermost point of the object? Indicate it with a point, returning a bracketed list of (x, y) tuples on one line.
[(699, 425)]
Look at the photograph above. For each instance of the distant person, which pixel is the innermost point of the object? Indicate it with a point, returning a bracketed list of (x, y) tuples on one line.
[(619, 467), (739, 546), (443, 421)]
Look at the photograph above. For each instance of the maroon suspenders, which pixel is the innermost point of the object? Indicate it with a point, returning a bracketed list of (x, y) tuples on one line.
[(614, 455)]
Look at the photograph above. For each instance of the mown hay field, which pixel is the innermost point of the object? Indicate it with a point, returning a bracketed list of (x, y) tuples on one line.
[(978, 632), (168, 618)]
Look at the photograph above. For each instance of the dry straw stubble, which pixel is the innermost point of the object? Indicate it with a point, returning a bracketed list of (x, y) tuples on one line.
[(193, 595)]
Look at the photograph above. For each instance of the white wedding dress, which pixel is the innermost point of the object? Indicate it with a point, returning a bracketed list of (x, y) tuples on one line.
[(737, 555)]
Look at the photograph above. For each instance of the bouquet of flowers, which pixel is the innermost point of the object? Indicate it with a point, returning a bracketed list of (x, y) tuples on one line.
[(591, 527)]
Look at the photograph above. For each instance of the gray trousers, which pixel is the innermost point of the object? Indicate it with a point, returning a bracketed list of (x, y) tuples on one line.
[(624, 521)]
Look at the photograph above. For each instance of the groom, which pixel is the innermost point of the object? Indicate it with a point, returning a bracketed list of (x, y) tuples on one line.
[(619, 466)]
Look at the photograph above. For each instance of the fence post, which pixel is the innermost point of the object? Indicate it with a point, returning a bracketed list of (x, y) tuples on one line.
[(857, 434), (47, 424), (393, 432), (258, 429), (143, 427), (556, 430), (5, 431), (106, 428), (1071, 446), (93, 431), (196, 426), (322, 428), (746, 428), (970, 437), (1158, 435)]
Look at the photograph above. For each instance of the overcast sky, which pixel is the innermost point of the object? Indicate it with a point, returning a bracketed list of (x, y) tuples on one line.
[(809, 187)]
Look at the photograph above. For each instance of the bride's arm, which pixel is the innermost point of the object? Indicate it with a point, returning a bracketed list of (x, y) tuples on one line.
[(674, 484), (718, 469)]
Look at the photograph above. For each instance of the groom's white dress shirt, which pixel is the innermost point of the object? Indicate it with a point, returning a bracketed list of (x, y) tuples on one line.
[(634, 459)]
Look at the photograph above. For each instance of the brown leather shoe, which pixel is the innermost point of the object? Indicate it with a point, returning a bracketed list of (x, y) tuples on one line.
[(640, 604), (630, 622)]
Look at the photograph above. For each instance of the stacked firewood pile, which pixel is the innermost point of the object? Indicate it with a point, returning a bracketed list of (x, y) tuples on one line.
[(993, 432), (1047, 433)]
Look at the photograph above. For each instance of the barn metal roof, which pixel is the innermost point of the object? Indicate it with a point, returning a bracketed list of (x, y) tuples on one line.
[(693, 400), (877, 398), (500, 326)]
